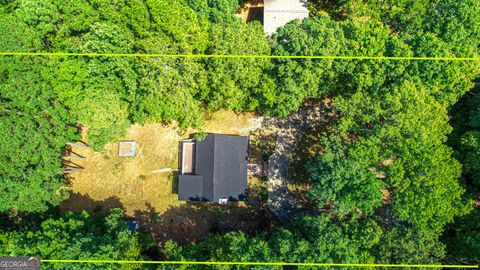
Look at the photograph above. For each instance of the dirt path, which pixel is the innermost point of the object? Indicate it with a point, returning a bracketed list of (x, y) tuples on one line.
[(289, 131)]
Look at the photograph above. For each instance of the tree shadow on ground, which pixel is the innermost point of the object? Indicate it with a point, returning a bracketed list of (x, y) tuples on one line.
[(335, 8), (262, 143), (78, 202), (309, 147), (191, 222), (174, 179)]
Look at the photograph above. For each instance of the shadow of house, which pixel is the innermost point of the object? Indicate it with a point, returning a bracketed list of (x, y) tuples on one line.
[(184, 224), (179, 157), (174, 179)]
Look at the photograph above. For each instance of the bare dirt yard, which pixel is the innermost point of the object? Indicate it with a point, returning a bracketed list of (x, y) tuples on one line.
[(145, 185)]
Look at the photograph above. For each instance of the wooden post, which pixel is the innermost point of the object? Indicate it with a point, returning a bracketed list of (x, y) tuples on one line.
[(163, 170), (72, 170), (75, 157), (79, 145)]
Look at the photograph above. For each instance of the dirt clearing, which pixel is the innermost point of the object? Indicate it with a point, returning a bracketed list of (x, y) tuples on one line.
[(144, 181)]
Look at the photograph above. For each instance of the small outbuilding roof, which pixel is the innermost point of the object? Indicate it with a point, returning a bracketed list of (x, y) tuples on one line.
[(277, 13), (220, 170), (127, 148)]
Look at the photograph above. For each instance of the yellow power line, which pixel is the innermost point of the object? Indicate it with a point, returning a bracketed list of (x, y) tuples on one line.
[(263, 263), (251, 56)]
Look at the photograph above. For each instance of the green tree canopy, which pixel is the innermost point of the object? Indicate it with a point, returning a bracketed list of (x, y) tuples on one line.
[(462, 239), (298, 79), (308, 239), (405, 245), (77, 236), (34, 126), (106, 94), (407, 127), (465, 137), (345, 183)]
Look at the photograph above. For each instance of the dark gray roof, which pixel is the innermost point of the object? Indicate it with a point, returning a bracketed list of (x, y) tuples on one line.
[(221, 162), (190, 188)]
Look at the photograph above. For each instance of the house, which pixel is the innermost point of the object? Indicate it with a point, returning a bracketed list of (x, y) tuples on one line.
[(277, 13), (214, 169)]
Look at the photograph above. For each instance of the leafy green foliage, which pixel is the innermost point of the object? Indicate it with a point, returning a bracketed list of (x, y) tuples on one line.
[(236, 83), (166, 93), (446, 81), (470, 142), (93, 95), (106, 94), (344, 183), (34, 127), (389, 118), (317, 239), (76, 236), (453, 21), (408, 144), (391, 134), (466, 137), (298, 79), (178, 22), (404, 245), (427, 28), (215, 11), (463, 236), (309, 239), (462, 239), (394, 118), (408, 127)]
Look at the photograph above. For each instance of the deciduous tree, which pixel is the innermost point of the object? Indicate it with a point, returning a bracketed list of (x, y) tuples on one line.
[(77, 236)]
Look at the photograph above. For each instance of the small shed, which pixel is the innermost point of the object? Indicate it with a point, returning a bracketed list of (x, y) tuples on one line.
[(127, 148), (277, 13)]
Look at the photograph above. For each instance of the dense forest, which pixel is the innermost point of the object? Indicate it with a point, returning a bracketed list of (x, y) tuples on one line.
[(415, 122)]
